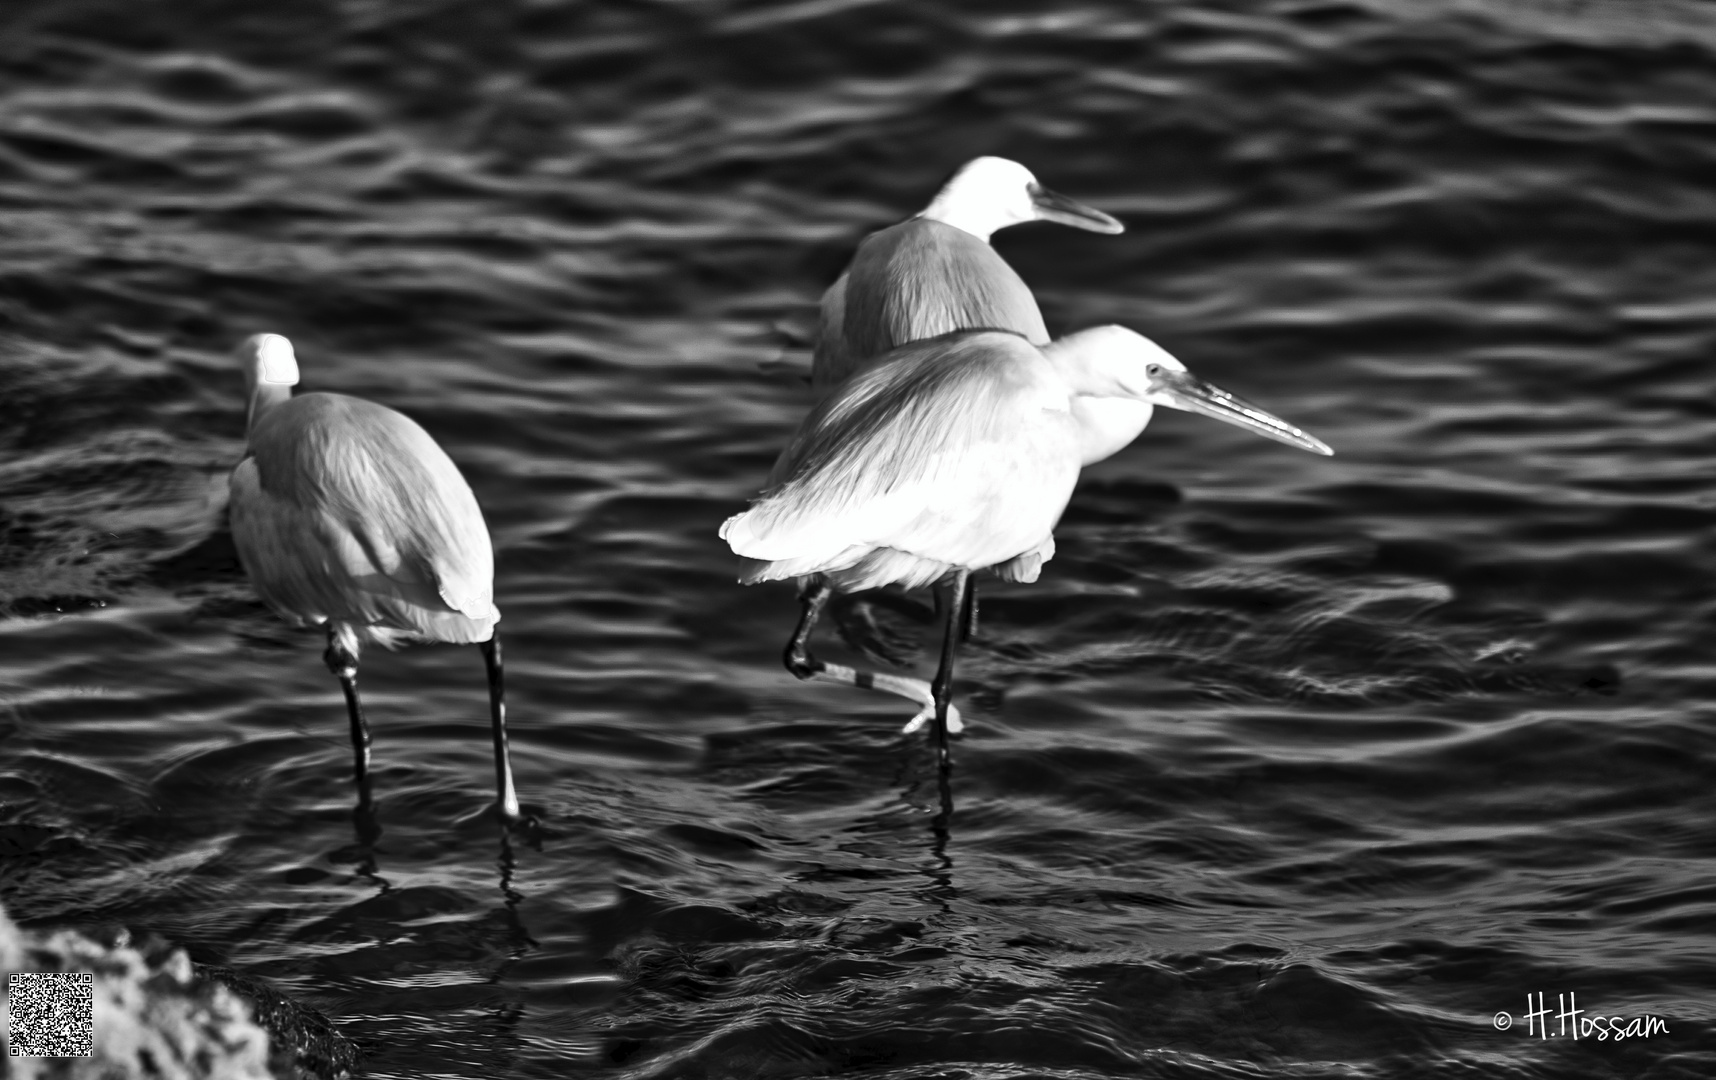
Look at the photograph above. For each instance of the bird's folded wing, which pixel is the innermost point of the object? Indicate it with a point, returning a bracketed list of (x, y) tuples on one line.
[(282, 558), (922, 278), (950, 449), (831, 360), (391, 519)]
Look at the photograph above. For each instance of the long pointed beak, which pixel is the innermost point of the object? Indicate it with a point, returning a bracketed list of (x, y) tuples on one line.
[(1053, 206), (1186, 391)]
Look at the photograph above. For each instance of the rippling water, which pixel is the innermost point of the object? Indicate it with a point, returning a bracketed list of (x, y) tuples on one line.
[(1287, 766)]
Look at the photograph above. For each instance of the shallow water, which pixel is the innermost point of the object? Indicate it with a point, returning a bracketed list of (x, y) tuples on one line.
[(1288, 766)]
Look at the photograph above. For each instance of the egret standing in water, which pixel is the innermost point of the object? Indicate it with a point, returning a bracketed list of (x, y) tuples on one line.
[(347, 515), (954, 455), (929, 275)]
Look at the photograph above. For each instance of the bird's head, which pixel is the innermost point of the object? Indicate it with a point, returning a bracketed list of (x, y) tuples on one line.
[(1112, 361), (990, 193), (270, 373), (268, 361)]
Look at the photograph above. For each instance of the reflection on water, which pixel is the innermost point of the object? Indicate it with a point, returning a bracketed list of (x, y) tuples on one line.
[(1286, 765)]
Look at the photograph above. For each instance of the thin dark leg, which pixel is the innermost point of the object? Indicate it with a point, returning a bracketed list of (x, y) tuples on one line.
[(814, 597), (341, 659), (798, 659), (508, 795), (941, 832), (969, 629), (367, 830), (942, 687)]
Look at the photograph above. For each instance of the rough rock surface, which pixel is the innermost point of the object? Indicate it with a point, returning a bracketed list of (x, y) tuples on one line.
[(159, 1016)]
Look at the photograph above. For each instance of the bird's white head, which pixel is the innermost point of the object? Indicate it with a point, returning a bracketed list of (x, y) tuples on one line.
[(1112, 361), (990, 193), (269, 360), (270, 372)]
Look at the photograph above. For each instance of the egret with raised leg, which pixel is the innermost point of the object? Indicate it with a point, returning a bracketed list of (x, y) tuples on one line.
[(958, 454), (929, 275)]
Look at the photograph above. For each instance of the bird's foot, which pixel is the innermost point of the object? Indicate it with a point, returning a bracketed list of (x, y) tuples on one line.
[(527, 827), (915, 689), (955, 725)]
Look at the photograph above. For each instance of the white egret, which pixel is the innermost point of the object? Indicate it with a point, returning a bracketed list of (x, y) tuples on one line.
[(935, 272), (929, 275), (347, 515), (958, 454)]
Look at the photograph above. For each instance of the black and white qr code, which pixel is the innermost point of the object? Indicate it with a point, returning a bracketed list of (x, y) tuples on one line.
[(53, 1013)]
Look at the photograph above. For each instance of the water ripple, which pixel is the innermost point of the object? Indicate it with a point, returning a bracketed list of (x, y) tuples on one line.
[(1287, 766)]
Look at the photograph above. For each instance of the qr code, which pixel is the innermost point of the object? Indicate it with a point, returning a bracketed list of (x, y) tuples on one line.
[(53, 1014)]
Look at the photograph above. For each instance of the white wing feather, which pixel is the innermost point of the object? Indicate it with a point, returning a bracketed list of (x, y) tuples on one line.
[(960, 451)]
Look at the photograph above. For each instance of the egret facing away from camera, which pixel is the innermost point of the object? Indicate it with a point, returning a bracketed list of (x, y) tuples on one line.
[(929, 275), (347, 515), (953, 455)]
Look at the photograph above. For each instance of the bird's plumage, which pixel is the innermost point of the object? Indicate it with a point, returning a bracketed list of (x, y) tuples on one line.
[(936, 273), (957, 452), (950, 455), (348, 516), (347, 511), (915, 280)]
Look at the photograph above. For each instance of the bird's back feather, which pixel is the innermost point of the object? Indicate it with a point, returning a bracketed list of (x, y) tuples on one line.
[(830, 359), (916, 280), (347, 510)]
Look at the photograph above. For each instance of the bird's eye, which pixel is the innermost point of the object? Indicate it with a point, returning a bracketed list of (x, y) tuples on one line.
[(1153, 370)]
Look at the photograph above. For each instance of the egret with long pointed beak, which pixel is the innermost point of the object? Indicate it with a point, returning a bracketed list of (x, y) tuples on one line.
[(929, 275), (347, 515), (958, 454), (935, 272)]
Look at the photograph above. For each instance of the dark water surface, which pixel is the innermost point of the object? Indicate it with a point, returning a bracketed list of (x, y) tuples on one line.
[(1288, 766)]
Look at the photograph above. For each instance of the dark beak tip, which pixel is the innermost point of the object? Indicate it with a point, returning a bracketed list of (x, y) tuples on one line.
[(1059, 208), (1098, 222), (1312, 444)]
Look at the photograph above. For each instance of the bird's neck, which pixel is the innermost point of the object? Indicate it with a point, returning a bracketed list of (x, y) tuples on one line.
[(1077, 359), (948, 212), (1107, 425), (1108, 417), (263, 397)]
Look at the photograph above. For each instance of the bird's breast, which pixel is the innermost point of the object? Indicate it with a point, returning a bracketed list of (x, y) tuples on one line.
[(1108, 425)]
